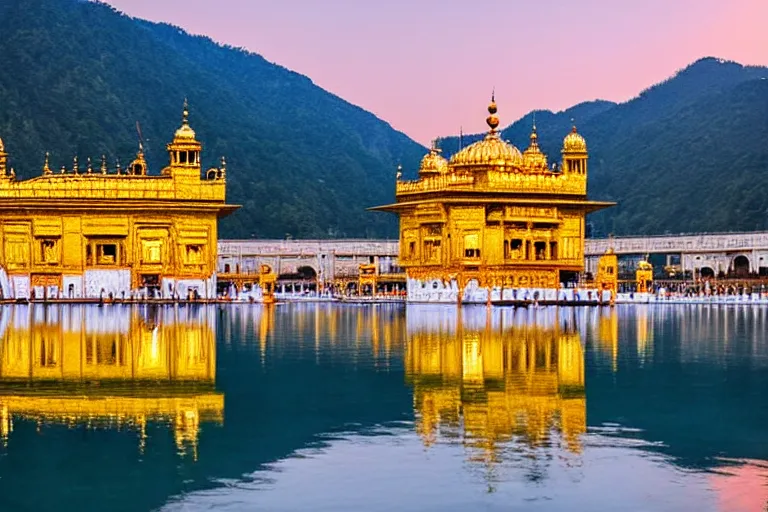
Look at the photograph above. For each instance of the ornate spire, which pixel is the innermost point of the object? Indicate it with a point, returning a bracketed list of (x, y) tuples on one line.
[(185, 133), (75, 166), (103, 164), (90, 167), (46, 167), (117, 166), (185, 114), (223, 167), (534, 136), (63, 169), (492, 119)]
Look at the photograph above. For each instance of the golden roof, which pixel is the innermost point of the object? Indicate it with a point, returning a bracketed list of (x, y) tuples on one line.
[(574, 142), (491, 150), (433, 162), (533, 158)]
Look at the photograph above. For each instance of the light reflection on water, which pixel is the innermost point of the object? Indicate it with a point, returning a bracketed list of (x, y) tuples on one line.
[(332, 407)]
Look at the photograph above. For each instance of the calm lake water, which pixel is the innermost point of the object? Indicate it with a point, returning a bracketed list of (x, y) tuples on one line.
[(356, 408)]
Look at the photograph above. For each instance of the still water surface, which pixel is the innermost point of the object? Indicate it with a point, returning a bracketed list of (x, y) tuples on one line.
[(334, 408)]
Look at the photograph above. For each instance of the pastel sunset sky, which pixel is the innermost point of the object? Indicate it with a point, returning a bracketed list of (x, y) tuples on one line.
[(428, 66)]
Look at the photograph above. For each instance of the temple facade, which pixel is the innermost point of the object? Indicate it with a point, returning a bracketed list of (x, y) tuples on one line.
[(121, 232), (494, 223)]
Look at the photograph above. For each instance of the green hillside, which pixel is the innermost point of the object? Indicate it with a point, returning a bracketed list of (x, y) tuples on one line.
[(76, 76), (688, 154)]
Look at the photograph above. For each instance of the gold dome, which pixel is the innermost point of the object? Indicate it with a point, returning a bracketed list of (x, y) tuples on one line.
[(533, 158), (574, 142), (433, 162), (491, 150), (185, 132)]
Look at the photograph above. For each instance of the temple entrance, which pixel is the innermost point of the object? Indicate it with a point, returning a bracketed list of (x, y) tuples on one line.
[(151, 282), (741, 266), (706, 273)]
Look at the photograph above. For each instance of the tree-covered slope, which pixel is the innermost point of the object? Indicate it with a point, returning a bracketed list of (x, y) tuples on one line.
[(688, 154), (76, 76)]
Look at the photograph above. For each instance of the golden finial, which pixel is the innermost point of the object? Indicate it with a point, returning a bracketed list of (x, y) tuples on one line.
[(13, 173), (103, 164), (223, 167), (63, 169), (90, 167), (46, 167), (573, 122), (75, 166), (399, 173), (492, 119), (117, 166), (185, 113)]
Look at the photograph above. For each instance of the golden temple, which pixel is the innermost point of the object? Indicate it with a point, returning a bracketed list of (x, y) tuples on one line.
[(91, 233), (496, 381), (113, 369), (493, 217)]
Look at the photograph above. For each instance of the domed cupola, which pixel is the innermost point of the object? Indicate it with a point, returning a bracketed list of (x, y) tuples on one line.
[(489, 152), (574, 142), (574, 153), (533, 158), (433, 163), (184, 151)]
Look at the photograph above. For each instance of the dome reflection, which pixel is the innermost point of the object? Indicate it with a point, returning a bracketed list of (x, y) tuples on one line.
[(496, 379)]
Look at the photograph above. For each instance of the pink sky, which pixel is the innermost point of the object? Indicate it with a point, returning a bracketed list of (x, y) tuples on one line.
[(428, 66)]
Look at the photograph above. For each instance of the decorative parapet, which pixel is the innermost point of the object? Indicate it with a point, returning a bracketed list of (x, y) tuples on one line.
[(498, 181), (98, 186)]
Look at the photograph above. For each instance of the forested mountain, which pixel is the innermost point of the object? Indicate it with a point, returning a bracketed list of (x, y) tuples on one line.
[(688, 154), (76, 76)]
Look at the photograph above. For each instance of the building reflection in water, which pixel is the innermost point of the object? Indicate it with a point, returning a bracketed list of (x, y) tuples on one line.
[(112, 367), (497, 379)]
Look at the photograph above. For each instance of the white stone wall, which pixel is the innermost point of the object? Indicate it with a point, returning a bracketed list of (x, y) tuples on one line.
[(20, 287), (435, 291), (180, 288), (100, 283), (76, 282)]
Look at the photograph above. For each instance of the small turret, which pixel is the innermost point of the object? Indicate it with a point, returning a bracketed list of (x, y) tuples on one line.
[(574, 153), (184, 151)]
